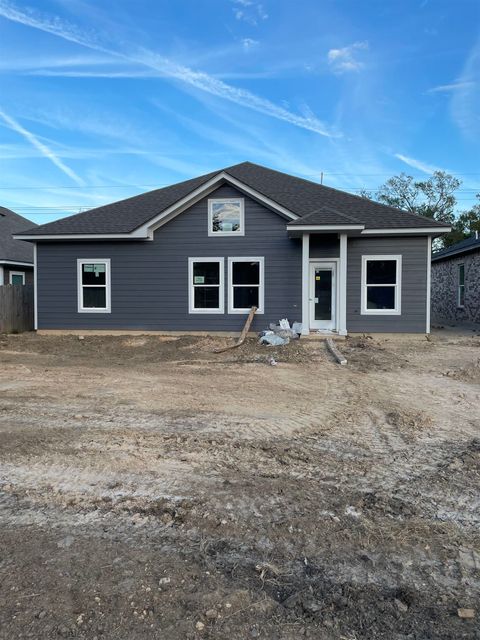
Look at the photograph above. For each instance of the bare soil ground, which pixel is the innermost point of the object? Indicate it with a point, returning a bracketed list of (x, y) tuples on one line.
[(152, 489)]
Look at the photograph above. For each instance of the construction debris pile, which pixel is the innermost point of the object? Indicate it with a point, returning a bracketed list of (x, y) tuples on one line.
[(280, 334)]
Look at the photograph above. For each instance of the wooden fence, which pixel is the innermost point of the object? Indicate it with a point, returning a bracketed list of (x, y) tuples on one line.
[(16, 308)]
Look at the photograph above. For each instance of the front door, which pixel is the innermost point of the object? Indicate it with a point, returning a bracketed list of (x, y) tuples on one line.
[(323, 295)]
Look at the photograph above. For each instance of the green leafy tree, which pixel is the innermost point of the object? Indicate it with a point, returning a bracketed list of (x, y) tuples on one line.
[(433, 198), (465, 225)]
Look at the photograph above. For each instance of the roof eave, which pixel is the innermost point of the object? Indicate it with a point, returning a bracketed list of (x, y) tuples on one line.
[(145, 231)]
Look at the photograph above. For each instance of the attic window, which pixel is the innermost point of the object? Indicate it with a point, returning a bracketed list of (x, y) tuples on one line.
[(226, 217)]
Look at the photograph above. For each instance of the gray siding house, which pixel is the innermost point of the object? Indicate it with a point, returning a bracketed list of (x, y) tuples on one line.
[(16, 256), (197, 255), (456, 282)]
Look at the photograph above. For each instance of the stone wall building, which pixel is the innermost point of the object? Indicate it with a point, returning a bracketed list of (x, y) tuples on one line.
[(456, 282)]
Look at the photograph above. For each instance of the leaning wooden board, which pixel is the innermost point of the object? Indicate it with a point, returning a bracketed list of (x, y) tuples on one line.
[(243, 335)]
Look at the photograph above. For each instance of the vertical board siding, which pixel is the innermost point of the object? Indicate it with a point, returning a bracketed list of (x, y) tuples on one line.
[(16, 308), (150, 278), (414, 252)]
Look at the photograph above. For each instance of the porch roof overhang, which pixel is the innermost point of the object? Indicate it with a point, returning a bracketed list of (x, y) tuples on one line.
[(297, 230)]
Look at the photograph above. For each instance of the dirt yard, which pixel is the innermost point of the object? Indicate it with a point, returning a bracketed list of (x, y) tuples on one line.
[(152, 489)]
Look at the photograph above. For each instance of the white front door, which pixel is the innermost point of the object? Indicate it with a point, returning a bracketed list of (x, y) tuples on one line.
[(322, 295)]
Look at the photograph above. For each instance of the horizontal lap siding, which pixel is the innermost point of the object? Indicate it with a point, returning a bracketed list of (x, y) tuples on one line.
[(150, 279), (324, 246), (414, 252)]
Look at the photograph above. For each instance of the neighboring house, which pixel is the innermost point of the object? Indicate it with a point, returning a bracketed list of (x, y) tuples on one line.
[(195, 256), (16, 256), (456, 282)]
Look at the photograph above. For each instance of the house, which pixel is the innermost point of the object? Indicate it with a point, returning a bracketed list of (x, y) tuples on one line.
[(16, 256), (456, 282), (195, 256)]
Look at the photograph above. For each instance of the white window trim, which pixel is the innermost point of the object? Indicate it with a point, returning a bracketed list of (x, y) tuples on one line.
[(17, 273), (459, 286), (224, 234), (108, 286), (397, 311), (261, 291), (191, 286)]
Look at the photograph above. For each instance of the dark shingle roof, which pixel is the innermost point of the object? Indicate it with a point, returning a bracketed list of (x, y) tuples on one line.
[(10, 249), (302, 197), (459, 248)]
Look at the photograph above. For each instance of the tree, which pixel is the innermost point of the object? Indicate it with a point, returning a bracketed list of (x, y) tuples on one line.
[(465, 225), (433, 198)]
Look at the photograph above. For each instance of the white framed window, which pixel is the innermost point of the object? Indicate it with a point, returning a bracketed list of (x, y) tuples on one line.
[(381, 285), (94, 285), (17, 277), (226, 217), (245, 284), (206, 288), (461, 286)]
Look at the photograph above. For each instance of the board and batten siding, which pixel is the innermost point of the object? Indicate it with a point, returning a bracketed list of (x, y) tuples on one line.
[(414, 252), (149, 279)]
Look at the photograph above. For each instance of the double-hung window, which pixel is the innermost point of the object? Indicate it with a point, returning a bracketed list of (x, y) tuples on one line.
[(226, 217), (461, 286), (205, 291), (245, 284), (381, 285), (94, 294)]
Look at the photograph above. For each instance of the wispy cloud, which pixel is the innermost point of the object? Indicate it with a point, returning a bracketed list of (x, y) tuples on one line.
[(44, 150), (249, 43), (249, 11), (465, 101), (197, 79), (346, 59), (450, 88), (417, 164)]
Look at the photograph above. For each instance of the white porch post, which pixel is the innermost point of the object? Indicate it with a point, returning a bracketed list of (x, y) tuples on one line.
[(1, 275), (305, 283), (342, 287)]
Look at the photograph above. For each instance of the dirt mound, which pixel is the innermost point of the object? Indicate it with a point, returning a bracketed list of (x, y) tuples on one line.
[(366, 354)]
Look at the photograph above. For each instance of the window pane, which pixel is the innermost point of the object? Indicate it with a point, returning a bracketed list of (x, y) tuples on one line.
[(226, 216), (245, 297), (461, 274), (94, 273), (206, 297), (17, 279), (380, 297), (206, 273), (246, 273), (94, 297), (461, 296), (381, 271)]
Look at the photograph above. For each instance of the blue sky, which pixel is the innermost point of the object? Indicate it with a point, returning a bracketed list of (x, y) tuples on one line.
[(102, 100)]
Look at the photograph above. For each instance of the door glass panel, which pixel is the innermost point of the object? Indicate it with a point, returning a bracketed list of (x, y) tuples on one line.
[(323, 294)]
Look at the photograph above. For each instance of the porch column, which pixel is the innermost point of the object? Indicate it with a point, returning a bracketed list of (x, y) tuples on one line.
[(1, 275), (342, 287), (305, 283)]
